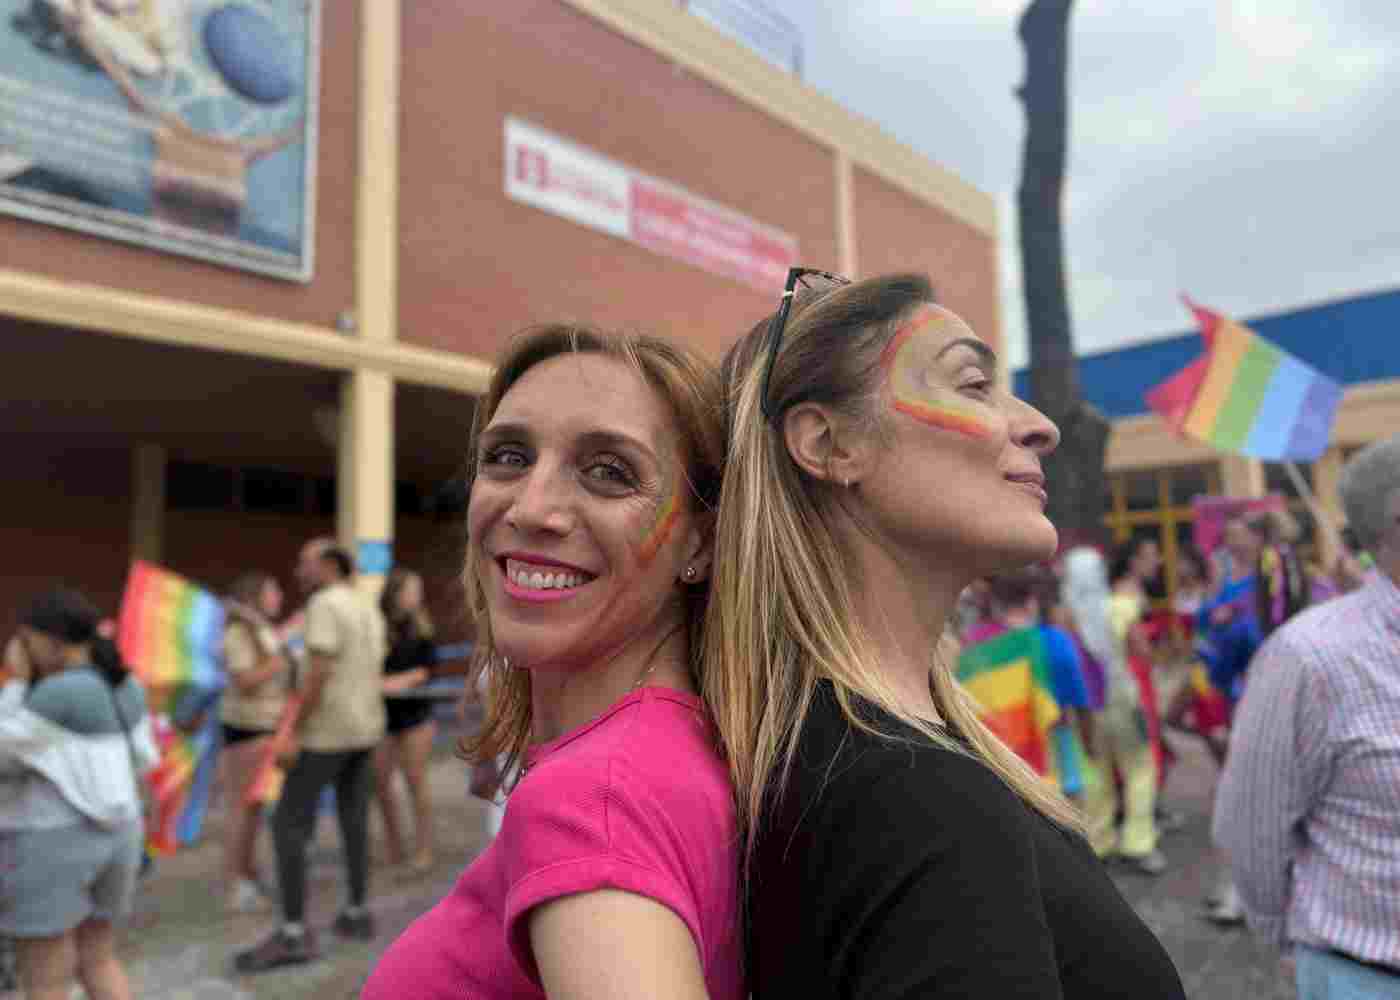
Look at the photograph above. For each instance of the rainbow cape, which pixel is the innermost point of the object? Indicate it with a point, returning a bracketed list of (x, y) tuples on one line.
[(171, 632), (1245, 395), (1009, 677)]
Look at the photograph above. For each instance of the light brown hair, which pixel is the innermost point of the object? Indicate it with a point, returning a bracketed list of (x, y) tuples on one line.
[(690, 387), (782, 613), (418, 624)]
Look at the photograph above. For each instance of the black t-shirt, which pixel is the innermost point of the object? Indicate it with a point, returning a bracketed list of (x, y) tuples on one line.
[(899, 869), (407, 653)]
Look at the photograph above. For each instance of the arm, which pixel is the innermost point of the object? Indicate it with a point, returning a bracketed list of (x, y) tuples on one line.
[(251, 659), (420, 652), (268, 667), (15, 665), (1273, 774), (319, 665), (614, 944), (325, 634), (405, 679)]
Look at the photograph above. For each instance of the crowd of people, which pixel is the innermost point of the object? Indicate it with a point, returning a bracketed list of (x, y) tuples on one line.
[(787, 691), (315, 692)]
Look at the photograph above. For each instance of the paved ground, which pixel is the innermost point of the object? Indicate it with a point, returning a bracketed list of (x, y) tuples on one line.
[(1215, 964), (181, 941)]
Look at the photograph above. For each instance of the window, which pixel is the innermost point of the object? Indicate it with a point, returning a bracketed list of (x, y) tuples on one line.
[(196, 486), (273, 491), (1156, 504)]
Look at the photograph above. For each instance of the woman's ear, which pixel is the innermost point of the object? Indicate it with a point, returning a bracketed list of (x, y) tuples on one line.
[(825, 446), (699, 548)]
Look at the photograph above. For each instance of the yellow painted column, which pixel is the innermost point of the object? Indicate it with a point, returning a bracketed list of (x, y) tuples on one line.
[(147, 502), (1242, 477), (365, 480), (365, 444), (1327, 478), (846, 259)]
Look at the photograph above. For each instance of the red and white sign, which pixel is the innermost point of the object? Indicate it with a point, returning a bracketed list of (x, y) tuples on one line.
[(553, 174)]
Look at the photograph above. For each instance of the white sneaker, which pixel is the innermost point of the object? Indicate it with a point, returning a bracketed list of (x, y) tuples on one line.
[(246, 897)]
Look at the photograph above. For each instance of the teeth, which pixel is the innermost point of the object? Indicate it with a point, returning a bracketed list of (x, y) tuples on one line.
[(536, 579)]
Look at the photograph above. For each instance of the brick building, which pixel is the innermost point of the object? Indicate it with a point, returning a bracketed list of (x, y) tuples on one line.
[(210, 417)]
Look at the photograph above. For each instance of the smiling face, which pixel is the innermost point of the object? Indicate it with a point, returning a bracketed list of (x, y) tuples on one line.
[(579, 514), (961, 476)]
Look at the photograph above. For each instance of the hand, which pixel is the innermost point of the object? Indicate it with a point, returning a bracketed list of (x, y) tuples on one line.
[(16, 661), (287, 752)]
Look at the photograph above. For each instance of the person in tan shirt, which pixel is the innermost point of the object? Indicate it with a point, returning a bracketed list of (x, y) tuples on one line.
[(260, 678), (339, 720)]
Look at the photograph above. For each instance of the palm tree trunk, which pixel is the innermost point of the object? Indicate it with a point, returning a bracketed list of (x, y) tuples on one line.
[(1075, 470)]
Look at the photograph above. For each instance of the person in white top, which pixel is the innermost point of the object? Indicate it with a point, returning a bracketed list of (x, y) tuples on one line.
[(75, 742)]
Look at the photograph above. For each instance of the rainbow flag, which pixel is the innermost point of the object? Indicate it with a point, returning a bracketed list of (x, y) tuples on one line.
[(1245, 395), (171, 632), (1009, 677)]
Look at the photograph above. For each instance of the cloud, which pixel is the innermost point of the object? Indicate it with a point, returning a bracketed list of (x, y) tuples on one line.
[(1244, 149)]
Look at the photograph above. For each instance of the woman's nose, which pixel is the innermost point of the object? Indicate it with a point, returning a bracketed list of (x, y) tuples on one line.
[(542, 502), (1033, 430)]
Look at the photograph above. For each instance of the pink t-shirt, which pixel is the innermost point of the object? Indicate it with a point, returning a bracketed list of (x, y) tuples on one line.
[(636, 800)]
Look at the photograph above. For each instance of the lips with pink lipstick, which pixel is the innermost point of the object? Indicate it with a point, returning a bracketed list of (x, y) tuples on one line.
[(531, 577), (1032, 482)]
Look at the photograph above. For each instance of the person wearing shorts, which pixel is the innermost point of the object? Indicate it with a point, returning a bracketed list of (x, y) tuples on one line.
[(260, 678), (74, 742)]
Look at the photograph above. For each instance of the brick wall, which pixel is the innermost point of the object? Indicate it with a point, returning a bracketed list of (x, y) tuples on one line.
[(476, 267), (897, 232), (67, 519)]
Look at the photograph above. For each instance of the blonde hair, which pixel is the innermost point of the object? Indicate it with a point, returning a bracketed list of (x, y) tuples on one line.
[(690, 387), (782, 615)]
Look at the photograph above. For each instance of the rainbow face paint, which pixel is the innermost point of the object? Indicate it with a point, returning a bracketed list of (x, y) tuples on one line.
[(910, 362), (660, 528)]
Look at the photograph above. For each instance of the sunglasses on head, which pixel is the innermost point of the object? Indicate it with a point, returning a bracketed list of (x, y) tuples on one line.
[(809, 283)]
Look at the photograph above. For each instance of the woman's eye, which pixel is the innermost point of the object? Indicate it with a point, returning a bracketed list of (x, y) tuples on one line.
[(979, 386), (609, 471), (504, 455)]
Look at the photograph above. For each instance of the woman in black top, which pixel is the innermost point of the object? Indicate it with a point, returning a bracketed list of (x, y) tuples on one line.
[(408, 741), (893, 847)]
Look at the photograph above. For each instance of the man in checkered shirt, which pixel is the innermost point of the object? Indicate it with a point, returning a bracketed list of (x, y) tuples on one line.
[(1308, 809)]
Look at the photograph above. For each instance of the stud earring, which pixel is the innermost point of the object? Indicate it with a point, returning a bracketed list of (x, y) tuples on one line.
[(689, 574)]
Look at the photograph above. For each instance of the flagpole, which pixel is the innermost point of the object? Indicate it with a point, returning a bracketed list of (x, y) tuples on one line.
[(1320, 517)]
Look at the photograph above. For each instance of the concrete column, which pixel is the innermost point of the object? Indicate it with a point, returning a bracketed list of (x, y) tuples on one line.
[(1241, 476), (846, 261), (147, 502), (365, 474), (377, 207), (365, 443)]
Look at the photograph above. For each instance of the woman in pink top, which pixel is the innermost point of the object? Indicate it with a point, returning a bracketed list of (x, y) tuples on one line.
[(594, 471)]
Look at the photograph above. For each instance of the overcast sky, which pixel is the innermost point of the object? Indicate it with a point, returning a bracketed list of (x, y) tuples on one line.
[(1244, 151)]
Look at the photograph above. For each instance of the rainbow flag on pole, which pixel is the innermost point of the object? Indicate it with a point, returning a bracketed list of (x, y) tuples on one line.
[(171, 632), (1010, 678), (1245, 395)]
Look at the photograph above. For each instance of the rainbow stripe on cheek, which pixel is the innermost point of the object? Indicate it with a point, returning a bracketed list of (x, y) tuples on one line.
[(905, 363), (945, 418), (666, 513)]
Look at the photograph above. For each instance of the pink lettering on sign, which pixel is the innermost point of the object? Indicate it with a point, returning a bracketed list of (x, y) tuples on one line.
[(576, 183), (682, 226)]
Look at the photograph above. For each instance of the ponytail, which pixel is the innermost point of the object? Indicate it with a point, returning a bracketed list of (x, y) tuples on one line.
[(108, 661), (70, 617)]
